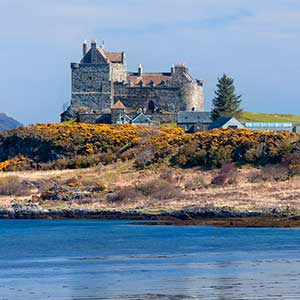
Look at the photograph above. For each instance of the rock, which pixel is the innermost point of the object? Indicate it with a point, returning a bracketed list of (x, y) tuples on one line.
[(65, 193)]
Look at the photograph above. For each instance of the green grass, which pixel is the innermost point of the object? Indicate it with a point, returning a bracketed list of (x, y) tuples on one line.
[(70, 121), (263, 117), (169, 125)]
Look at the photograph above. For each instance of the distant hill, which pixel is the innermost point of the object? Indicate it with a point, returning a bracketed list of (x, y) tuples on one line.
[(263, 117), (7, 122)]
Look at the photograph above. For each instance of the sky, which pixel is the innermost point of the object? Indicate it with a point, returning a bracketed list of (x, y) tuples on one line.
[(256, 42)]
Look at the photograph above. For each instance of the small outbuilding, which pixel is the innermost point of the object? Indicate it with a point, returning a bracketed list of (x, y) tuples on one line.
[(193, 121), (226, 123), (122, 118), (276, 127), (143, 120)]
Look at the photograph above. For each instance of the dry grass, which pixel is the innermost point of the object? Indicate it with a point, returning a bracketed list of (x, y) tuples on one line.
[(171, 189)]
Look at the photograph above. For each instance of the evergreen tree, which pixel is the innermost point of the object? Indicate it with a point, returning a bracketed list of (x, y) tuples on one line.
[(226, 103)]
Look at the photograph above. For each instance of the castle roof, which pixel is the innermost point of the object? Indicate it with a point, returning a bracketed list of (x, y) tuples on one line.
[(222, 121), (193, 117), (110, 57), (141, 118), (113, 57), (148, 78), (118, 105)]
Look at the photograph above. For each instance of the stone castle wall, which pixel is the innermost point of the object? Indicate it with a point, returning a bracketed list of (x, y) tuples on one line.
[(91, 88), (118, 72), (89, 77), (164, 98)]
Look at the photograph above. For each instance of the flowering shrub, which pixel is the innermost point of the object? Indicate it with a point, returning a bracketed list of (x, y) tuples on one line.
[(16, 164), (82, 145), (241, 146)]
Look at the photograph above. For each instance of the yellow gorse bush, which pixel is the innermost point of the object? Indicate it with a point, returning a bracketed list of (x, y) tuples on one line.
[(44, 143), (17, 163)]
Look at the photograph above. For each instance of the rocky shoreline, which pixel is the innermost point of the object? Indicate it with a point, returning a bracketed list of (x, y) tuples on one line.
[(219, 217)]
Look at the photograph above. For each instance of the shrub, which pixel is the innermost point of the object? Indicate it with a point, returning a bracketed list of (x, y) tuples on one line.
[(100, 186), (59, 146), (279, 172), (18, 163), (168, 175), (190, 155), (144, 156), (12, 186), (80, 162), (159, 189), (124, 194), (292, 162), (226, 175), (42, 185), (73, 182), (195, 183)]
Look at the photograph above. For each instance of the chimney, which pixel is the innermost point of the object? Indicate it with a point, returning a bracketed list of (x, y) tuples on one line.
[(102, 45), (180, 69), (94, 52), (140, 70), (84, 47), (172, 69), (94, 44)]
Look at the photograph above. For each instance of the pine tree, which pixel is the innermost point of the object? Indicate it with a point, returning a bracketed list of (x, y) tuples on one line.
[(226, 103)]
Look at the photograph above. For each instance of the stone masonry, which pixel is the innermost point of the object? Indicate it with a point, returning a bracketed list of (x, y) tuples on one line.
[(101, 79)]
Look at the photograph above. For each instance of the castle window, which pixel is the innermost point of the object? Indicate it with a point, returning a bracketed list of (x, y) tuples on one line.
[(151, 83), (151, 106)]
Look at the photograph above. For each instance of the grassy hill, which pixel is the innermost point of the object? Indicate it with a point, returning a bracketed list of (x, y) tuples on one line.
[(264, 117)]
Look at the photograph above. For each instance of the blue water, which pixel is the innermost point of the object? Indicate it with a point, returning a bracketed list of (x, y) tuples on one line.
[(41, 259)]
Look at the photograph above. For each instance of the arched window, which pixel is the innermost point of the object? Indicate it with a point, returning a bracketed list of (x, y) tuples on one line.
[(151, 106)]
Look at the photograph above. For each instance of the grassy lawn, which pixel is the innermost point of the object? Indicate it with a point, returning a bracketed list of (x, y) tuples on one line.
[(263, 117), (169, 125)]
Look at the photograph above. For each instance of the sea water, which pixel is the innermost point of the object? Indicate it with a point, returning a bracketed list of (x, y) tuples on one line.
[(94, 259)]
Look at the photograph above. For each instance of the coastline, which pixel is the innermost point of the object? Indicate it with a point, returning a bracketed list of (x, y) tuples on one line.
[(165, 196), (217, 217)]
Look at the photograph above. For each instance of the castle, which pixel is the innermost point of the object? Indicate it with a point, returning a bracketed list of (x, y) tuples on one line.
[(102, 89)]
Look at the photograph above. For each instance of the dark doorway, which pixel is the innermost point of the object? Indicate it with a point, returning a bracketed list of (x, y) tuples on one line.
[(151, 106)]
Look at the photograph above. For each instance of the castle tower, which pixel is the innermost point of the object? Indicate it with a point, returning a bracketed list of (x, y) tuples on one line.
[(193, 96)]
